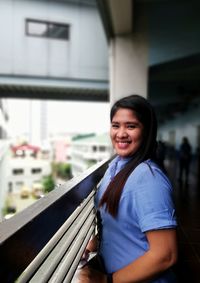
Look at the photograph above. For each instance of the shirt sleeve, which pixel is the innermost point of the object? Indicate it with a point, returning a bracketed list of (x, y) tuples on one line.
[(153, 201)]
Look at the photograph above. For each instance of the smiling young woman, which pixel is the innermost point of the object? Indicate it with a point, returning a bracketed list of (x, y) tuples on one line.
[(138, 224)]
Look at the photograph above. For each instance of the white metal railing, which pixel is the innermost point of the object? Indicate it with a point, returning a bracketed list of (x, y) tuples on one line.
[(47, 239), (58, 260)]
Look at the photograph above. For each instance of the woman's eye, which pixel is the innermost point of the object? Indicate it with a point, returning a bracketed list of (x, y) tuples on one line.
[(131, 126), (115, 126)]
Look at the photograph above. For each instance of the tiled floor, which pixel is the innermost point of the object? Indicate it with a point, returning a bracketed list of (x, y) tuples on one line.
[(187, 199)]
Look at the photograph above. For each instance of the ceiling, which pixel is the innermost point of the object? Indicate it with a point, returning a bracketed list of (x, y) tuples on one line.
[(174, 87)]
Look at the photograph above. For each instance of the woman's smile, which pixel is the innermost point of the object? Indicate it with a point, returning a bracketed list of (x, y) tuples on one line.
[(123, 144)]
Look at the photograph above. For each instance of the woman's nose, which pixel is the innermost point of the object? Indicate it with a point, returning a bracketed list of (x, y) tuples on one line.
[(121, 132)]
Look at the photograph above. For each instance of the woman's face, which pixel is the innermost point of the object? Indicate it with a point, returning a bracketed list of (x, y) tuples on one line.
[(126, 132)]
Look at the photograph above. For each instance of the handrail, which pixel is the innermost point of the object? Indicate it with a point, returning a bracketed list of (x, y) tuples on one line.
[(24, 235), (61, 255)]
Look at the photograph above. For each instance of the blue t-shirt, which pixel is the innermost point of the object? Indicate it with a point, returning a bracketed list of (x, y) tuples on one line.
[(146, 204)]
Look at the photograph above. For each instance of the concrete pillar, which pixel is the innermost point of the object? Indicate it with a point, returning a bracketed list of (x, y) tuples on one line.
[(128, 56)]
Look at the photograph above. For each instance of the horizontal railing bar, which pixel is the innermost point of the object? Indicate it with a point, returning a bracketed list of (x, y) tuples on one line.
[(52, 261), (76, 261), (30, 270), (66, 262)]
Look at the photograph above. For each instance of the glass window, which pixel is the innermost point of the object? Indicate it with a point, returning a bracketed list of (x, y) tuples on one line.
[(94, 148), (47, 29), (18, 171), (37, 28), (36, 170)]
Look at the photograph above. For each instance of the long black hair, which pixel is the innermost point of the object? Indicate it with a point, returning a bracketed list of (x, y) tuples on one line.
[(146, 115)]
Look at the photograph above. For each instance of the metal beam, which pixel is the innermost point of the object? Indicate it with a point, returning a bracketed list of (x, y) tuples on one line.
[(54, 88)]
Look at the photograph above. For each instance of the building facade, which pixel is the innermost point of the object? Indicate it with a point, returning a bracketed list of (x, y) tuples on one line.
[(4, 153), (61, 42), (88, 150), (25, 172)]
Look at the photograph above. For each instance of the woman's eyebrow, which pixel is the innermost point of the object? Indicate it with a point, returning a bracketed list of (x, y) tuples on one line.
[(126, 122), (132, 122)]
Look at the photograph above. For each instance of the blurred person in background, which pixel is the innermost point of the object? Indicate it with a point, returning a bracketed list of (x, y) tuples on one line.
[(184, 160)]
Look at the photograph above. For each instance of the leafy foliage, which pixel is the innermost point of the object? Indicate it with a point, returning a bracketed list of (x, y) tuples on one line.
[(48, 183), (62, 170)]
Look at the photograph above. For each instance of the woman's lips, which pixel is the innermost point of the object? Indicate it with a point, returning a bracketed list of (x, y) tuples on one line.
[(123, 145)]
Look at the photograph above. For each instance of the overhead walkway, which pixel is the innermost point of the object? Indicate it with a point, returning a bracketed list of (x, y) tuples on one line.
[(53, 88)]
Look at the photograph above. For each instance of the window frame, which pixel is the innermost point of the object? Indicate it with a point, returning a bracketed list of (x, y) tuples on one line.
[(36, 170), (17, 171), (48, 24)]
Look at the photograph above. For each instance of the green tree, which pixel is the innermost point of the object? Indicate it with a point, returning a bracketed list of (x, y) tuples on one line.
[(48, 184), (62, 170)]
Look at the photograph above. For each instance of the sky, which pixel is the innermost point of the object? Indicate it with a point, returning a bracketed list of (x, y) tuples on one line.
[(62, 116)]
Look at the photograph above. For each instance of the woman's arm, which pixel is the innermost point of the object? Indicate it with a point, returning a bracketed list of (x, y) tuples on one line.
[(93, 244), (91, 247), (161, 255)]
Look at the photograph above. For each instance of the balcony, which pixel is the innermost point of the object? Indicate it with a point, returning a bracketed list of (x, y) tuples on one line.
[(52, 233), (44, 243)]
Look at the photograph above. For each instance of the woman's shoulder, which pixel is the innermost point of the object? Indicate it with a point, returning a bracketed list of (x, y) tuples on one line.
[(147, 166), (147, 179), (149, 171)]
